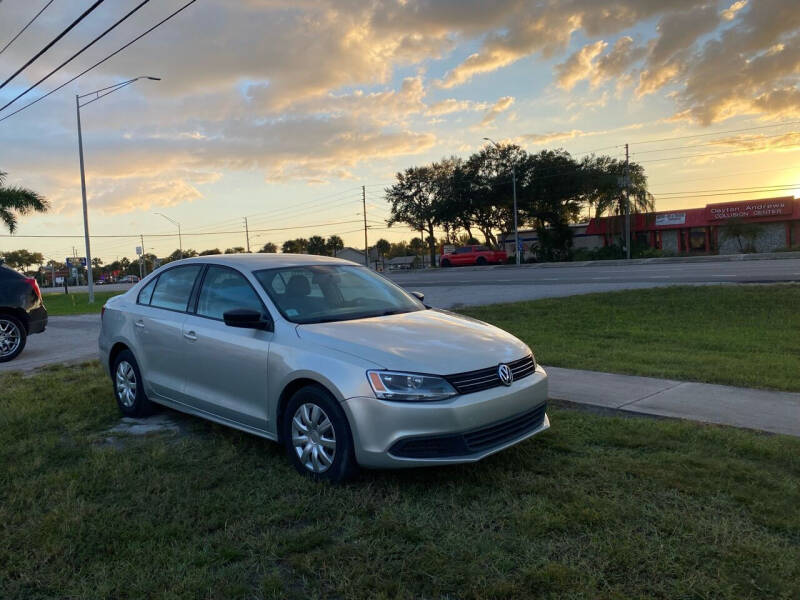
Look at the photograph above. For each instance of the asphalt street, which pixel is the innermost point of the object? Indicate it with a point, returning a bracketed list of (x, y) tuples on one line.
[(74, 338), (462, 286)]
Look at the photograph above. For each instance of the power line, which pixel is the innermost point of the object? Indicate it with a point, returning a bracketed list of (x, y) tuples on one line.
[(685, 137), (100, 62), (743, 189), (78, 53), (85, 14), (720, 141), (28, 24)]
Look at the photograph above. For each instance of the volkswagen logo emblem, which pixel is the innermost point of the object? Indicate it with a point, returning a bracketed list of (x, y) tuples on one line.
[(505, 374)]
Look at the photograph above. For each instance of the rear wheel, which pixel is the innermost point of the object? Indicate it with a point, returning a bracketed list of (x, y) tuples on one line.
[(129, 388), (481, 260), (317, 436), (12, 337)]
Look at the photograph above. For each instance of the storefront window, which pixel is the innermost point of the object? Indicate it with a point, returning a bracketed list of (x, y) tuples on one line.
[(697, 239)]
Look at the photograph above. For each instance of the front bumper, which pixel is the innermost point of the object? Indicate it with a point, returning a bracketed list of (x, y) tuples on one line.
[(381, 428)]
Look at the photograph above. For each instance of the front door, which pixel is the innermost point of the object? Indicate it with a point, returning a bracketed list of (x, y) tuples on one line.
[(227, 366)]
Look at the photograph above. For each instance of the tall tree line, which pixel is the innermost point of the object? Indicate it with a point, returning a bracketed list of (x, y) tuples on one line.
[(473, 196)]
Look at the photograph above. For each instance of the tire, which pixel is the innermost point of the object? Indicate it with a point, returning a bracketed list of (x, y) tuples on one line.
[(128, 386), (481, 261), (317, 437), (13, 337), (446, 263)]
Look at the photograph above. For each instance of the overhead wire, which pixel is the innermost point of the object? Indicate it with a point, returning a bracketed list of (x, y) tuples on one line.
[(112, 88), (100, 62), (28, 24), (54, 41)]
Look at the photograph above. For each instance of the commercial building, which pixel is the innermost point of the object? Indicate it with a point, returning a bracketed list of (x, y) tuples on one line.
[(691, 230)]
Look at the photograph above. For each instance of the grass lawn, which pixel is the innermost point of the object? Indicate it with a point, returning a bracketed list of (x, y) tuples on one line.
[(597, 507), (737, 335), (75, 303)]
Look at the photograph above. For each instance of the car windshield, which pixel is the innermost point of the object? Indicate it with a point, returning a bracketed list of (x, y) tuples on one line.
[(325, 293)]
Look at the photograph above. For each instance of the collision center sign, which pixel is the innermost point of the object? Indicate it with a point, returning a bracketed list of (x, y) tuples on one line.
[(746, 210)]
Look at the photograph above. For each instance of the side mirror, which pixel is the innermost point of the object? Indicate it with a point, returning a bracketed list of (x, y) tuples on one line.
[(419, 296), (245, 318)]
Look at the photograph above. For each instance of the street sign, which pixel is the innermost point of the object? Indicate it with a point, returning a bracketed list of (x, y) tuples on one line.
[(138, 250), (73, 262)]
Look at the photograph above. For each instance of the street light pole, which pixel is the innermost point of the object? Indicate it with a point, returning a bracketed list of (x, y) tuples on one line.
[(514, 185), (178, 225), (97, 93), (90, 277)]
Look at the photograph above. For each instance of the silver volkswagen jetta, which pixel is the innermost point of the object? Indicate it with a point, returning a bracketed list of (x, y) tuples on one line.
[(325, 356)]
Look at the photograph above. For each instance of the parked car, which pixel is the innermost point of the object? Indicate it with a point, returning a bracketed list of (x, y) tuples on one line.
[(129, 279), (330, 359), (473, 255), (22, 312)]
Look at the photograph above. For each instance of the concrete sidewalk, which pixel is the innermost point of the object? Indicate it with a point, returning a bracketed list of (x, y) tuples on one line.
[(776, 412)]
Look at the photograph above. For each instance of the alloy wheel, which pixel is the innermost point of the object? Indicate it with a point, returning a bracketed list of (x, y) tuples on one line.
[(126, 384), (10, 337), (313, 438)]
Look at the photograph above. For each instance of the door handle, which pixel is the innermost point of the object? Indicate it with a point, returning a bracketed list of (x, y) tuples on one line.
[(139, 323), (190, 335)]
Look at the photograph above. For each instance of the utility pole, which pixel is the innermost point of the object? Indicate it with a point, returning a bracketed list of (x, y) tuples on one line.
[(626, 183), (142, 263), (364, 205), (247, 234), (90, 278)]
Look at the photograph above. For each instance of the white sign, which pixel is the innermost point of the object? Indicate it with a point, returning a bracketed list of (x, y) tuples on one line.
[(677, 218), (138, 250)]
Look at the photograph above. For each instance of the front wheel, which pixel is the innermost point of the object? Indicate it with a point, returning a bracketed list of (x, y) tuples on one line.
[(12, 337), (446, 263), (129, 388), (317, 436)]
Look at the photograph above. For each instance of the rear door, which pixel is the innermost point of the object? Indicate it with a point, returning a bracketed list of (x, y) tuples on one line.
[(227, 366), (158, 328), (462, 256)]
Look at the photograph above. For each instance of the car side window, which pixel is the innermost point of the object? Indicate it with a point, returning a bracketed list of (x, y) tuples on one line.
[(223, 290), (147, 292), (465, 250), (174, 287)]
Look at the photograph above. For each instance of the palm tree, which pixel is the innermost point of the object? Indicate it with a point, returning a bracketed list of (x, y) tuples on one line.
[(17, 200)]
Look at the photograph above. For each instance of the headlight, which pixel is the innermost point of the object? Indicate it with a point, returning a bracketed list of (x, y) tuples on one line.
[(409, 387)]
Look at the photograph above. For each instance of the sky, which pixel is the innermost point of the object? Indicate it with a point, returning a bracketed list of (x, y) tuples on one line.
[(279, 111)]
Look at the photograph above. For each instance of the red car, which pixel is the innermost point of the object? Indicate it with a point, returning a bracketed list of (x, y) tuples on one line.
[(473, 255)]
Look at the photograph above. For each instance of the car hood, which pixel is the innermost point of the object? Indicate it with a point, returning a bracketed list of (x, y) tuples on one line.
[(425, 341)]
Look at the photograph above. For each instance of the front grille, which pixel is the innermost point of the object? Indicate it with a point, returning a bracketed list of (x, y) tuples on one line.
[(472, 442), (484, 379)]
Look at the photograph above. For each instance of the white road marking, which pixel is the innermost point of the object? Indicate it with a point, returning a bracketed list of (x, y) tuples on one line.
[(602, 277), (659, 277)]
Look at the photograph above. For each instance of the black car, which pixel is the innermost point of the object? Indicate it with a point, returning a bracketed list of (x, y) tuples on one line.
[(22, 312)]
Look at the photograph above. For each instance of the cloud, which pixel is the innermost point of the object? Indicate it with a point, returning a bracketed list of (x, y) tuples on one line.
[(579, 65), (555, 136), (762, 142), (502, 105), (729, 14), (451, 105)]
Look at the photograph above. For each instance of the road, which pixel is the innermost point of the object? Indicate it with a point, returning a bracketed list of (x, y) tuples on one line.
[(448, 288), (74, 339)]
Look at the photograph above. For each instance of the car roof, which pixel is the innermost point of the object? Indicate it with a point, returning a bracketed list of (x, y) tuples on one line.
[(257, 261)]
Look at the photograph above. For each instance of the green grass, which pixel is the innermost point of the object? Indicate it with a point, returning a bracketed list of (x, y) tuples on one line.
[(75, 303), (595, 508), (737, 335)]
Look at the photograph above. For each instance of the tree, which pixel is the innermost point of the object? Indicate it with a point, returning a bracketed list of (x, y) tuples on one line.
[(210, 252), (743, 232), (414, 202), (317, 245), (22, 259), (97, 263), (604, 189), (383, 246), (235, 250), (269, 248), (296, 246), (335, 244), (15, 200)]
